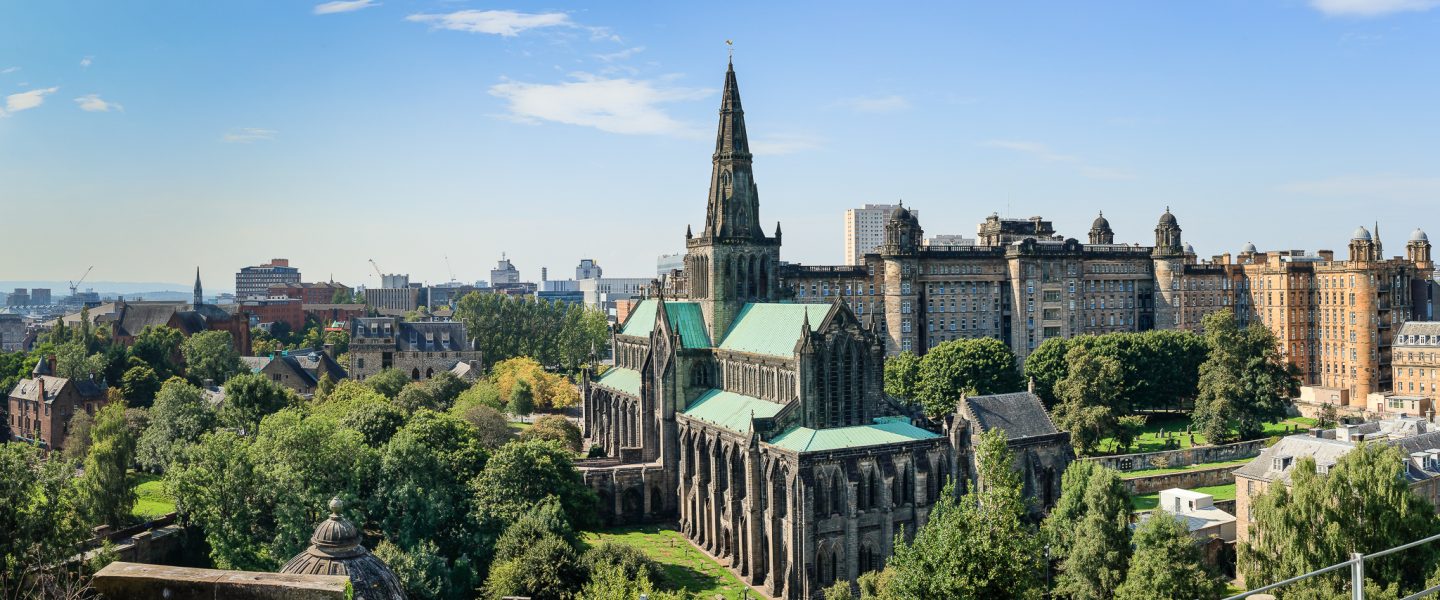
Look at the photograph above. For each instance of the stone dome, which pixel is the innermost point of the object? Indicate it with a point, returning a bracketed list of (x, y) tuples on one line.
[(1249, 247), (1361, 234), (1189, 249), (901, 213), (1419, 236), (1100, 222), (335, 550), (1168, 219)]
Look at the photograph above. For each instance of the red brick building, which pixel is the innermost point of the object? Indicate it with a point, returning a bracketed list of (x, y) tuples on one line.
[(41, 406), (326, 314), (274, 310), (311, 293)]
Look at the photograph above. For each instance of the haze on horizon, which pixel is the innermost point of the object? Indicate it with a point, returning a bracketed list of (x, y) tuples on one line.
[(149, 139)]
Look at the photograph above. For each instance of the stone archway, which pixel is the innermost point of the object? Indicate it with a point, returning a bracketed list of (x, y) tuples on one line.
[(632, 505)]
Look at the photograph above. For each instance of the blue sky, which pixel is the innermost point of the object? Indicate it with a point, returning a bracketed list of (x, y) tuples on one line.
[(147, 138)]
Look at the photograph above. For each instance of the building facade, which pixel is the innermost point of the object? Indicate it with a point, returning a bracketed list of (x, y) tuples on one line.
[(504, 273), (761, 424), (255, 282), (865, 230), (266, 312), (322, 292), (42, 405), (419, 349)]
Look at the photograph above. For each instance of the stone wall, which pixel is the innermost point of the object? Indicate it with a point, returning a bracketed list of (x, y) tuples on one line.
[(1185, 480), (120, 580), (1126, 463)]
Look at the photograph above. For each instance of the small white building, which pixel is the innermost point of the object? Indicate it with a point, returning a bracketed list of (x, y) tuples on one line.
[(1199, 512)]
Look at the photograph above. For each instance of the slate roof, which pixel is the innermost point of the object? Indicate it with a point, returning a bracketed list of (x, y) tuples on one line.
[(1327, 451), (730, 410), (625, 381), (805, 439), (1020, 414), (28, 389), (1419, 333), (432, 336), (772, 329), (136, 316)]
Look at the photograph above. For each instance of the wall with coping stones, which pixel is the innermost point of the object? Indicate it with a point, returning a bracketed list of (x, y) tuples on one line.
[(1126, 463), (122, 580), (1185, 480)]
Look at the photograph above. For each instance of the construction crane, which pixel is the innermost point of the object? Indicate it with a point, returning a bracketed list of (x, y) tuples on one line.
[(449, 268), (76, 284), (377, 269)]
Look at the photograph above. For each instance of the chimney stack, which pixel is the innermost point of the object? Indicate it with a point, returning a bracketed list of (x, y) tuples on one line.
[(330, 350)]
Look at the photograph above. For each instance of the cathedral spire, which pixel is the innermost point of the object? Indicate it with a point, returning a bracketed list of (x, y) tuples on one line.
[(199, 295), (734, 204)]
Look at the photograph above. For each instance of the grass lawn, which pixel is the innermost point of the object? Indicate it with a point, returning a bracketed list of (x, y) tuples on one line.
[(151, 501), (1148, 472), (1148, 501), (685, 567), (1174, 425), (519, 426)]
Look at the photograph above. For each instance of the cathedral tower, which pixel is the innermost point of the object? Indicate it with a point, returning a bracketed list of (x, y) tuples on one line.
[(731, 262), (199, 294)]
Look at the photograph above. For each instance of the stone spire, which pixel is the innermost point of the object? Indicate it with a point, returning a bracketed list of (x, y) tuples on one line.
[(733, 209), (199, 295)]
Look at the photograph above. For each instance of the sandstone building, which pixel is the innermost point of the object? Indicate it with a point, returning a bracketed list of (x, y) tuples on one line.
[(761, 425), (420, 349)]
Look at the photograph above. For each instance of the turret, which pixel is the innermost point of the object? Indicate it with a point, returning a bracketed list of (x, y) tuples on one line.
[(1100, 232)]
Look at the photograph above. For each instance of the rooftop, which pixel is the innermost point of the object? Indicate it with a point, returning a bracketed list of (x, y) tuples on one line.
[(883, 432)]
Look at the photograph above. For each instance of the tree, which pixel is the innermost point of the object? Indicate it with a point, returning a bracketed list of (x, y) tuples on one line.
[(1328, 416), (523, 473), (548, 569), (1046, 366), (632, 563), (388, 382), (217, 486), (104, 493), (556, 428), (1245, 381), (423, 491), (77, 438), (965, 367), (548, 390), (1087, 397), (1167, 564), (609, 582), (251, 396), (902, 376), (179, 417), (39, 527), (481, 392), (416, 396), (553, 333), (491, 427), (353, 404), (159, 347), (1095, 561), (140, 384), (978, 546), (211, 356), (1127, 428), (73, 361), (522, 402), (1364, 504), (426, 574)]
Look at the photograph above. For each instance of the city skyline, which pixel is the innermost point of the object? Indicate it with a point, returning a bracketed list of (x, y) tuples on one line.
[(199, 146)]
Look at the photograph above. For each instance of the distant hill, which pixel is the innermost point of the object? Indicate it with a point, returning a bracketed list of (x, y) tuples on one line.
[(133, 290)]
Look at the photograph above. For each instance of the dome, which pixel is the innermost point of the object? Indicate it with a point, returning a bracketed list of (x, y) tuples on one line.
[(1100, 222), (1360, 234), (900, 213), (1249, 247), (1419, 236), (1168, 219), (1189, 249), (335, 550)]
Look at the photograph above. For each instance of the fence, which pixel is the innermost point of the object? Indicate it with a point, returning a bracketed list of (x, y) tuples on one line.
[(1357, 574)]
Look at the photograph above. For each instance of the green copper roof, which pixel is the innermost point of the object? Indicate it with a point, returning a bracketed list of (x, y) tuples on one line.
[(804, 439), (641, 320), (621, 380), (731, 410), (771, 329), (685, 318)]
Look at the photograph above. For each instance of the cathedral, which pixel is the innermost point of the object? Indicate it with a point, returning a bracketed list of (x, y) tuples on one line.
[(760, 423)]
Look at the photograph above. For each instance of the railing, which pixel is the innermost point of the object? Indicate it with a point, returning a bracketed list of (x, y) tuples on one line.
[(1357, 573)]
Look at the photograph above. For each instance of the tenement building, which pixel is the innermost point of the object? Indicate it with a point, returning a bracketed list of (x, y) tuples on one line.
[(760, 423)]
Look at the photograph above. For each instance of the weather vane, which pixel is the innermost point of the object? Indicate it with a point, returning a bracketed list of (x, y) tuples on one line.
[(730, 45)]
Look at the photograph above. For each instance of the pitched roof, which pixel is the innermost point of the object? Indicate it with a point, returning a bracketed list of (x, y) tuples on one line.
[(641, 320), (731, 410), (1418, 333), (625, 381), (1408, 435), (805, 439), (27, 389), (687, 320), (1020, 414), (136, 316), (772, 329)]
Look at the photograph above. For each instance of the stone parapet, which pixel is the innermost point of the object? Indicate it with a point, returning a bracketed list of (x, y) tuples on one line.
[(122, 580)]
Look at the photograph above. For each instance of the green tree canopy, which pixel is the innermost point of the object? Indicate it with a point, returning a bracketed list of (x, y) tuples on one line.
[(39, 527), (902, 376), (554, 333), (965, 367), (1087, 397), (423, 489), (211, 355), (159, 347), (73, 360), (1095, 561), (388, 382), (523, 473), (140, 384), (1244, 383), (1167, 564), (556, 428), (179, 417), (104, 493), (251, 396)]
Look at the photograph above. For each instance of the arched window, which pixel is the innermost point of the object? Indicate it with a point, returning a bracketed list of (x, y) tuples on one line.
[(415, 373), (429, 373)]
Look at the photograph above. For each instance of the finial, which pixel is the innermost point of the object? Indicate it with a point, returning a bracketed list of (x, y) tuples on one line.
[(730, 46), (1102, 213), (336, 505)]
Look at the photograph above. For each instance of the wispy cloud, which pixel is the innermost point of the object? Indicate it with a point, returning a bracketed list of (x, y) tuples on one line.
[(629, 106), (343, 6), (772, 145), (28, 100), (1371, 8), (506, 23), (93, 103), (246, 135), (1368, 187), (621, 55), (1044, 152), (86, 62), (875, 104), (9, 70)]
